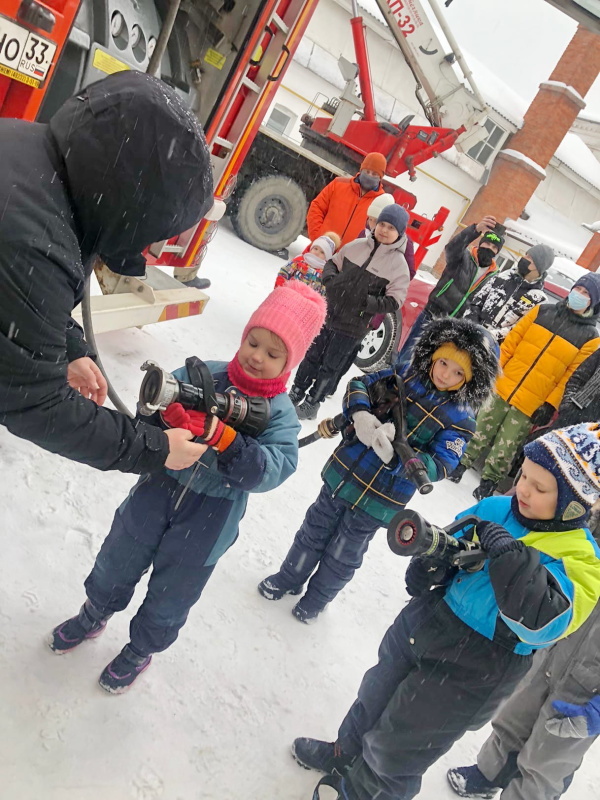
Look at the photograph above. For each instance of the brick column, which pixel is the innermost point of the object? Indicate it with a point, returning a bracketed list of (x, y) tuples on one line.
[(590, 258), (519, 168)]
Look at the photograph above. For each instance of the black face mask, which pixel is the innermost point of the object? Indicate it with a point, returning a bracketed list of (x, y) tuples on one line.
[(485, 256), (368, 182), (523, 265)]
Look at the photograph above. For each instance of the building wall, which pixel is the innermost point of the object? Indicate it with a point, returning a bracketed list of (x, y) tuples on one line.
[(566, 196), (589, 131)]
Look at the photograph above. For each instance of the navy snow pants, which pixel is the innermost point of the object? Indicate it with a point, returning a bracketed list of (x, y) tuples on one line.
[(328, 358), (333, 539), (148, 531), (436, 679)]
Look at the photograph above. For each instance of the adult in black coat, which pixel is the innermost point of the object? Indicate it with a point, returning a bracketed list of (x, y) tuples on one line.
[(581, 401), (120, 166)]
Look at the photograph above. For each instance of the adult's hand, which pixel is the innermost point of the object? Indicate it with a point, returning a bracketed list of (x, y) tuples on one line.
[(182, 451), (85, 376), (486, 224)]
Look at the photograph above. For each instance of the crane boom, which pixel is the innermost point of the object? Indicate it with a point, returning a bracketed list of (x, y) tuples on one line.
[(447, 101)]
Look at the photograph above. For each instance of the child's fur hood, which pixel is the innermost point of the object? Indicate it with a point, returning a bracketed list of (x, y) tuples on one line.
[(476, 341)]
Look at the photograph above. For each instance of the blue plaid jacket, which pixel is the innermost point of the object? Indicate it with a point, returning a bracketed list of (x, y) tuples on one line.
[(438, 430)]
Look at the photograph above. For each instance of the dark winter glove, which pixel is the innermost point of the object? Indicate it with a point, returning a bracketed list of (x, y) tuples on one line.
[(422, 574), (542, 415), (370, 304), (495, 539), (577, 722)]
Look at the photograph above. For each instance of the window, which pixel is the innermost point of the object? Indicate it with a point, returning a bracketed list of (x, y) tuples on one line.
[(483, 150), (280, 120)]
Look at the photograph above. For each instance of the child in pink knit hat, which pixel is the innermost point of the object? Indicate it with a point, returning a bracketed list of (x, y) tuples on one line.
[(179, 523)]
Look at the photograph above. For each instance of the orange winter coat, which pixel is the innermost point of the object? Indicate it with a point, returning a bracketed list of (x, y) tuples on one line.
[(339, 208), (541, 353)]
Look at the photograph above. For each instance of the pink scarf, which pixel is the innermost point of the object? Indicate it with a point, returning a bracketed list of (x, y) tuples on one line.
[(255, 387)]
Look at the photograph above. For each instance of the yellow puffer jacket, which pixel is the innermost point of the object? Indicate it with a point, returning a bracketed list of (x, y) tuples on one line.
[(541, 353)]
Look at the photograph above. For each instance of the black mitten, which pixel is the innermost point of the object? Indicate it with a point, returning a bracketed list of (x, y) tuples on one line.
[(420, 576), (495, 539), (543, 414)]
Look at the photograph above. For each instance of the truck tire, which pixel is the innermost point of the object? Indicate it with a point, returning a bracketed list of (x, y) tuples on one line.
[(378, 348), (270, 213)]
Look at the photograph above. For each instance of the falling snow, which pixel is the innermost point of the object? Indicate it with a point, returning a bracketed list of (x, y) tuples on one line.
[(215, 714)]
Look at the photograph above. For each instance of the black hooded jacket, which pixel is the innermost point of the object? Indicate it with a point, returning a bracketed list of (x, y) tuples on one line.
[(581, 401), (120, 166), (460, 279)]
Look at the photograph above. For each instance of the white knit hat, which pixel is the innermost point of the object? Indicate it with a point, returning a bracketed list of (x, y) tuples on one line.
[(326, 244), (380, 202)]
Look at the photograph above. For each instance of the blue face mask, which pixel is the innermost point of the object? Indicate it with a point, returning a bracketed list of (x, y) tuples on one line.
[(577, 301)]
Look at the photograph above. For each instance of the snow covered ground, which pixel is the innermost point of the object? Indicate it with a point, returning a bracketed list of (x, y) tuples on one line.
[(215, 714)]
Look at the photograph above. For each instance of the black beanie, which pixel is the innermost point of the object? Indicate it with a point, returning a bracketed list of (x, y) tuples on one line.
[(493, 238), (591, 283)]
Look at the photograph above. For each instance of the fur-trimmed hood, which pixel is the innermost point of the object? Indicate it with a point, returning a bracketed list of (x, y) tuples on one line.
[(476, 341)]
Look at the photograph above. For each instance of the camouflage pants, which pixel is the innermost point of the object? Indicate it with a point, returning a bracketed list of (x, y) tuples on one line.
[(504, 428)]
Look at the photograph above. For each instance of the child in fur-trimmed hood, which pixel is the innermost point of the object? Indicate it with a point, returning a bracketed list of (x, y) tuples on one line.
[(452, 373)]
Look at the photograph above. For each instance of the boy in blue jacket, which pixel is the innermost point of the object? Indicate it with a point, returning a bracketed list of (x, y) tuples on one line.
[(455, 652), (181, 523), (452, 372)]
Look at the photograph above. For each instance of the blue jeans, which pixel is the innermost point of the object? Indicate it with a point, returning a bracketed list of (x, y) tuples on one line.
[(405, 355), (148, 531), (333, 540)]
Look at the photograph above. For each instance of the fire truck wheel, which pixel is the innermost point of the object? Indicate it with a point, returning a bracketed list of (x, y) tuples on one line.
[(378, 348), (271, 212)]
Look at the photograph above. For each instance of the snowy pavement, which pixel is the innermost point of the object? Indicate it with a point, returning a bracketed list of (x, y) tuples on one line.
[(215, 715)]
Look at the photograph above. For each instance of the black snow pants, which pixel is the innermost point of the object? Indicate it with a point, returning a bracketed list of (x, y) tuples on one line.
[(436, 679), (327, 359)]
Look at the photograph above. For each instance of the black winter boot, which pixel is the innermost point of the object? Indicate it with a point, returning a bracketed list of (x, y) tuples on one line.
[(308, 409), (123, 670), (457, 474), (296, 395), (305, 613), (485, 489), (88, 624), (325, 757), (272, 589), (470, 782)]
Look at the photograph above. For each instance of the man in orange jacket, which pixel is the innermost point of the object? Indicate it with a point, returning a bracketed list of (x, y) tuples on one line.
[(343, 203)]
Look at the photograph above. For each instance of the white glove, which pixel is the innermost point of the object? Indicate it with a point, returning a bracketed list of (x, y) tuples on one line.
[(365, 425), (382, 442)]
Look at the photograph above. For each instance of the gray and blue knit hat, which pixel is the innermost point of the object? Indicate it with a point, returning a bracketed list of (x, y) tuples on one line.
[(396, 216), (572, 455)]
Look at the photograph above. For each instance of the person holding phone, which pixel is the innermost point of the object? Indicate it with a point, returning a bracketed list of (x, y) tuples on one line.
[(468, 267)]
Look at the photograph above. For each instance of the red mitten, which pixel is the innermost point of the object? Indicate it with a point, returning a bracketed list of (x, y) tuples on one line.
[(176, 416), (200, 423), (280, 281), (211, 430)]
